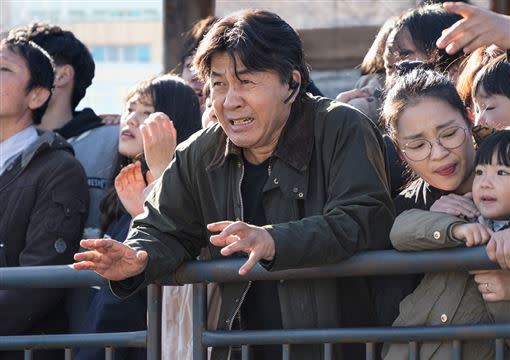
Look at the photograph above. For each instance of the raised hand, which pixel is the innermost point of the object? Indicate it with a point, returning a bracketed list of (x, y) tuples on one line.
[(349, 95), (456, 205), (111, 259), (240, 236), (478, 27), (130, 185), (159, 142)]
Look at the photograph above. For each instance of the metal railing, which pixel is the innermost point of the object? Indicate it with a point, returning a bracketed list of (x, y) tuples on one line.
[(201, 272), (63, 276)]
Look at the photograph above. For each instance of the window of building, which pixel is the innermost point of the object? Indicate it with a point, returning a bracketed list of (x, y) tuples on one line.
[(143, 53), (129, 54), (112, 53), (97, 53)]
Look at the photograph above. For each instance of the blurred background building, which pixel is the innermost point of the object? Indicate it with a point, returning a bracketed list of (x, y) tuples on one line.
[(127, 38)]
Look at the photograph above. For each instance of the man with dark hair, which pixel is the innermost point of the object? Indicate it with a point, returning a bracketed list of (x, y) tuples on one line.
[(95, 145), (43, 192), (290, 180)]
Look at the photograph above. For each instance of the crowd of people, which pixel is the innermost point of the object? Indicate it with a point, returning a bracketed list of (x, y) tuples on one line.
[(236, 153)]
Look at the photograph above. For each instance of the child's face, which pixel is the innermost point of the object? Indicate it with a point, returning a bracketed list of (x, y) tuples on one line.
[(491, 110), (491, 190), (208, 116)]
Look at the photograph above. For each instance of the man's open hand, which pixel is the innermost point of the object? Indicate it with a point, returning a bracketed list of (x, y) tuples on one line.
[(111, 259), (240, 236)]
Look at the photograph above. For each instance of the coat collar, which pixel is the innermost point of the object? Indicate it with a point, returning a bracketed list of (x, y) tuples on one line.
[(45, 140), (295, 145)]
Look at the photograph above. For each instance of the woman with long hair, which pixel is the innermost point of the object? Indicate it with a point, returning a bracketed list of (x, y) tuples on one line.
[(160, 113)]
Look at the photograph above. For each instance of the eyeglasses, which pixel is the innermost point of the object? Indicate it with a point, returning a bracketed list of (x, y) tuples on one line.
[(450, 138)]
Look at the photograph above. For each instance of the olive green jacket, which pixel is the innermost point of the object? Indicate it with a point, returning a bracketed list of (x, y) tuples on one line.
[(326, 198), (442, 298)]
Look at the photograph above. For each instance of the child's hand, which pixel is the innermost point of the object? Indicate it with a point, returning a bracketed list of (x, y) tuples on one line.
[(472, 234), (498, 248)]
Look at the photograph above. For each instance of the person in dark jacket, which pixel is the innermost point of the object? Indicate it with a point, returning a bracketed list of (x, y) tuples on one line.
[(289, 179), (43, 192), (94, 144)]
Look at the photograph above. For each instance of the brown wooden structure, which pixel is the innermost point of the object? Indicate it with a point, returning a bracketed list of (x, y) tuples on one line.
[(325, 49), (178, 17)]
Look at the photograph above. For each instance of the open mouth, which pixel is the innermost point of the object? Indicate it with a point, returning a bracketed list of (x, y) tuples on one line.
[(488, 199), (242, 121)]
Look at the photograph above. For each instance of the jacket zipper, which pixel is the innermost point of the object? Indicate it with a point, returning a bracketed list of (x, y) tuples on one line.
[(241, 300)]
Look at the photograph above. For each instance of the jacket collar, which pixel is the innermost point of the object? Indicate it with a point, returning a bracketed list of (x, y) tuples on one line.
[(82, 121), (45, 140), (295, 145), (494, 225)]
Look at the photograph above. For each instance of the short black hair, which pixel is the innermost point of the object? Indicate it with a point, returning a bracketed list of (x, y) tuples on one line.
[(497, 144), (425, 25), (261, 40), (65, 49), (40, 66), (494, 78), (413, 86)]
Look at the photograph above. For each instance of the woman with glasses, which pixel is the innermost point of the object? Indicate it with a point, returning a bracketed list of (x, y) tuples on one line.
[(430, 128)]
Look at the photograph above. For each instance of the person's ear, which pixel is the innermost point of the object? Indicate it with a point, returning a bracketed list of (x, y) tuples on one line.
[(294, 86), (64, 75), (37, 97), (471, 115)]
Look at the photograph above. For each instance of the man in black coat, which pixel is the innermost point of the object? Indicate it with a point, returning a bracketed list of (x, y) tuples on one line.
[(43, 194)]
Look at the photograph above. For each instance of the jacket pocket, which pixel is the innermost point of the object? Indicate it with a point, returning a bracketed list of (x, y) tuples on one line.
[(66, 215)]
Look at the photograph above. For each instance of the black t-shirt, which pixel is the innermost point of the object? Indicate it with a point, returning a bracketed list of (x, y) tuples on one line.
[(261, 306)]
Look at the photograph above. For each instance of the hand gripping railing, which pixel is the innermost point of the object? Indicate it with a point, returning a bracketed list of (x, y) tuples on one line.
[(200, 272)]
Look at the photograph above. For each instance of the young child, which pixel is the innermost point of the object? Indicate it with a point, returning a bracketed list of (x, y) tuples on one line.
[(491, 94), (491, 190)]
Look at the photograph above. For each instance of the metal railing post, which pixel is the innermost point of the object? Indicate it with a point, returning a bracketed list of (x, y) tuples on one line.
[(199, 320), (27, 355), (370, 351), (109, 353), (328, 351), (154, 306), (413, 350), (500, 349)]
